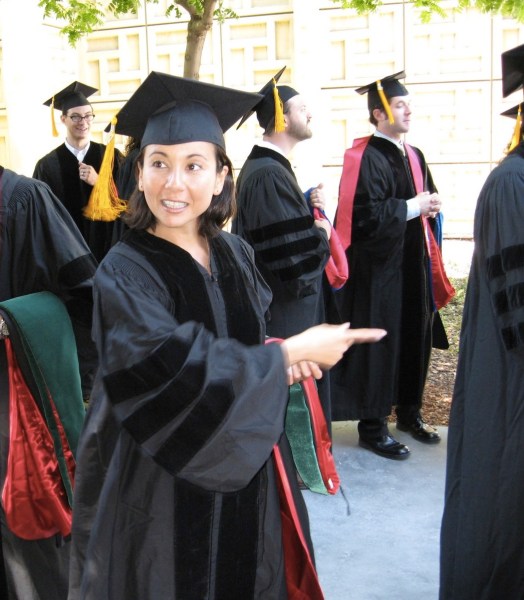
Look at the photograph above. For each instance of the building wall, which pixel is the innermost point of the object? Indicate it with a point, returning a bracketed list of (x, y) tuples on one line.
[(452, 65)]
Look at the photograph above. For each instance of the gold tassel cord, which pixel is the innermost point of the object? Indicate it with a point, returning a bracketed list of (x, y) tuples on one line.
[(104, 203), (515, 140), (280, 124), (385, 103), (54, 130)]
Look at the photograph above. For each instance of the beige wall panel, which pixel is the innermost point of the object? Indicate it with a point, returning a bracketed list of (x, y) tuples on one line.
[(4, 148), (156, 13), (368, 46), (345, 118), (115, 62), (255, 49), (506, 34), (2, 98), (127, 20), (166, 48), (249, 7), (459, 187), (450, 121), (455, 47)]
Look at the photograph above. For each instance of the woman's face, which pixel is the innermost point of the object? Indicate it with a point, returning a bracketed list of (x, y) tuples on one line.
[(179, 182)]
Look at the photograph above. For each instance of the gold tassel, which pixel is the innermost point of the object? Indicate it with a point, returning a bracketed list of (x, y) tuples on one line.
[(515, 140), (104, 203), (385, 103), (280, 124), (54, 130)]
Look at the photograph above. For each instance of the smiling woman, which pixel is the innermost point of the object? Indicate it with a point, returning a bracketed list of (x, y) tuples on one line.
[(177, 495), (179, 182)]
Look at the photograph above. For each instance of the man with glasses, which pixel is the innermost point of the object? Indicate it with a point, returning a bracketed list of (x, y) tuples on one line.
[(71, 169)]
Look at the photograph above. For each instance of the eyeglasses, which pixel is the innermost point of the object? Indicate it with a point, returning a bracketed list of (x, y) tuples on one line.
[(79, 118)]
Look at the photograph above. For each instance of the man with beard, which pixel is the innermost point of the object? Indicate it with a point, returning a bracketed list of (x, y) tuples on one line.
[(71, 169), (385, 218), (291, 247)]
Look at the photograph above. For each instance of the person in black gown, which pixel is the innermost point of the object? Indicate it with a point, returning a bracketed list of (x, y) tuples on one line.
[(71, 169), (273, 216), (482, 534), (387, 204), (41, 250), (179, 462)]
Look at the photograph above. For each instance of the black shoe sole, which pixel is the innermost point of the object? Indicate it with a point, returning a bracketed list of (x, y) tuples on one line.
[(368, 446), (416, 436)]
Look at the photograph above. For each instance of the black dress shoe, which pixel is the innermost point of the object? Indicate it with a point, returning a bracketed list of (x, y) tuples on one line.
[(385, 446), (420, 430)]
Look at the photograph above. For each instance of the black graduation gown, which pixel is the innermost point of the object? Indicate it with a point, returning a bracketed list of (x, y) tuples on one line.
[(388, 287), (126, 181), (482, 536), (175, 493), (59, 169), (290, 251), (40, 250)]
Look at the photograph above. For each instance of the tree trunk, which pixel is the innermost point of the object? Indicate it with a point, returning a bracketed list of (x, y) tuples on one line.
[(197, 30)]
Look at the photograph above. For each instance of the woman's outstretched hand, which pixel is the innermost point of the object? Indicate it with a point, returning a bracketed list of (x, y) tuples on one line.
[(323, 346)]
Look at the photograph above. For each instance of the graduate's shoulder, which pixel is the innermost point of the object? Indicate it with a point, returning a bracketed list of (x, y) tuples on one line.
[(240, 247), (19, 188), (52, 155)]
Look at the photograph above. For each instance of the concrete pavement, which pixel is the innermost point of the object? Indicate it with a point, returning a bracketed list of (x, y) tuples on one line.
[(387, 547)]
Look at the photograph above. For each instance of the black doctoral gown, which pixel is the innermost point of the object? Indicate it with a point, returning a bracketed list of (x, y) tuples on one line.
[(388, 287), (290, 251), (175, 492), (482, 536), (59, 169), (40, 250)]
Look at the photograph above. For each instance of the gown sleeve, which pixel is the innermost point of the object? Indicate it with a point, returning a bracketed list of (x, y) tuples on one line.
[(206, 409), (275, 220), (499, 231), (46, 249)]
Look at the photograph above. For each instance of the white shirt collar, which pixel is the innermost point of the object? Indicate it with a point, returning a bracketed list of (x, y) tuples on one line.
[(270, 146), (80, 154)]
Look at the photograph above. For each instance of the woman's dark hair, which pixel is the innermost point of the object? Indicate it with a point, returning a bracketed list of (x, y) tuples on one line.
[(221, 209), (132, 143)]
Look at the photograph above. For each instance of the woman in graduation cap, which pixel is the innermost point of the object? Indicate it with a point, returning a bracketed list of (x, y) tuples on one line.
[(176, 491)]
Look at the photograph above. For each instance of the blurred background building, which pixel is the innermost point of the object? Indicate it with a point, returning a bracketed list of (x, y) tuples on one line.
[(452, 65)]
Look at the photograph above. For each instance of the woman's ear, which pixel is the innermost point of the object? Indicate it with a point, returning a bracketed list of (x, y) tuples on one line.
[(219, 183)]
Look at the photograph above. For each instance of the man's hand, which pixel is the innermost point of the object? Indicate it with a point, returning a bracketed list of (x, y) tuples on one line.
[(430, 204), (317, 197), (87, 173)]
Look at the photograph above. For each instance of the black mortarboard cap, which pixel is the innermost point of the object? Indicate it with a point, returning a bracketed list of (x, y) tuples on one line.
[(515, 113), (391, 86), (75, 94), (512, 112), (512, 70), (166, 109), (271, 105)]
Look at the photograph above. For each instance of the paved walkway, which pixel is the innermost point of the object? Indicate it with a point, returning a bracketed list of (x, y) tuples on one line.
[(387, 548)]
